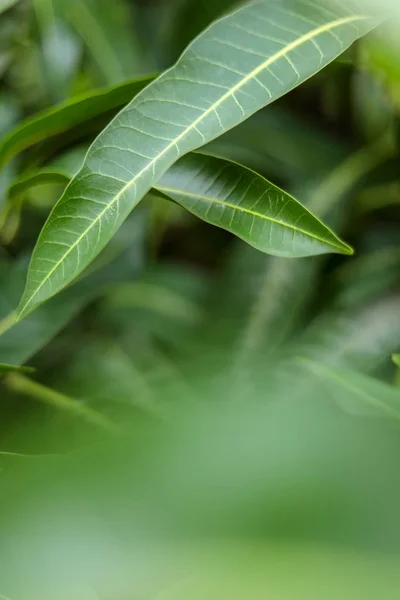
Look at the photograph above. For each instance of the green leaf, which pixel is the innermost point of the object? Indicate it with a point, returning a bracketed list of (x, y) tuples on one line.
[(61, 170), (35, 178), (396, 359), (242, 202), (272, 143), (241, 63), (24, 339), (4, 369), (7, 4), (189, 18), (232, 197), (64, 117), (358, 393)]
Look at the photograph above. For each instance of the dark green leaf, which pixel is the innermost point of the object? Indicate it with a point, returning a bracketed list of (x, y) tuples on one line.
[(241, 201)]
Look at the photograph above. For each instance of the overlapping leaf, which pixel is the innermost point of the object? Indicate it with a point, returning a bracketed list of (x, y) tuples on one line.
[(68, 115), (237, 199), (231, 197), (240, 64), (21, 341)]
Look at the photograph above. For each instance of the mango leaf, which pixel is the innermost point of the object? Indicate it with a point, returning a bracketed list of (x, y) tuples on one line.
[(68, 115), (272, 143), (358, 393), (244, 203), (7, 4), (226, 74), (4, 369), (232, 197), (60, 170), (24, 339), (189, 18)]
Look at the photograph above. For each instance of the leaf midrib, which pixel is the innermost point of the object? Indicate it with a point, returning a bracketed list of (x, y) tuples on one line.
[(280, 54), (213, 200)]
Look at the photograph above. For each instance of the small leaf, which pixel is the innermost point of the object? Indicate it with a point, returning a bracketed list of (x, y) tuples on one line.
[(4, 369), (68, 115), (240, 64), (36, 178), (241, 201)]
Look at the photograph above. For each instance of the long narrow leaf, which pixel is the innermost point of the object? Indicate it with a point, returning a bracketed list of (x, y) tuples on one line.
[(240, 64), (68, 115), (241, 201), (229, 196)]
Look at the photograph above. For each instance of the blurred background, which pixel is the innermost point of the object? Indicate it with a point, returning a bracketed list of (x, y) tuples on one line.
[(198, 419)]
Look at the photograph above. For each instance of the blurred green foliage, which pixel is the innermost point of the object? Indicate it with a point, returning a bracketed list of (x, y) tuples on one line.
[(203, 421)]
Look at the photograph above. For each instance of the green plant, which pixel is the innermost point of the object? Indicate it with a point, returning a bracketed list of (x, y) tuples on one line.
[(188, 293)]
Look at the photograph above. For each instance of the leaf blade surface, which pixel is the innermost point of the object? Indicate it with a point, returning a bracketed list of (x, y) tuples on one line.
[(215, 85)]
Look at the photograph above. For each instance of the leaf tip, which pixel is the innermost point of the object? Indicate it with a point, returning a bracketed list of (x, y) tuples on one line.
[(346, 249)]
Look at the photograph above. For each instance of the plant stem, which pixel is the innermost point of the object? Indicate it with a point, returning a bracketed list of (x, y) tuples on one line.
[(23, 385)]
